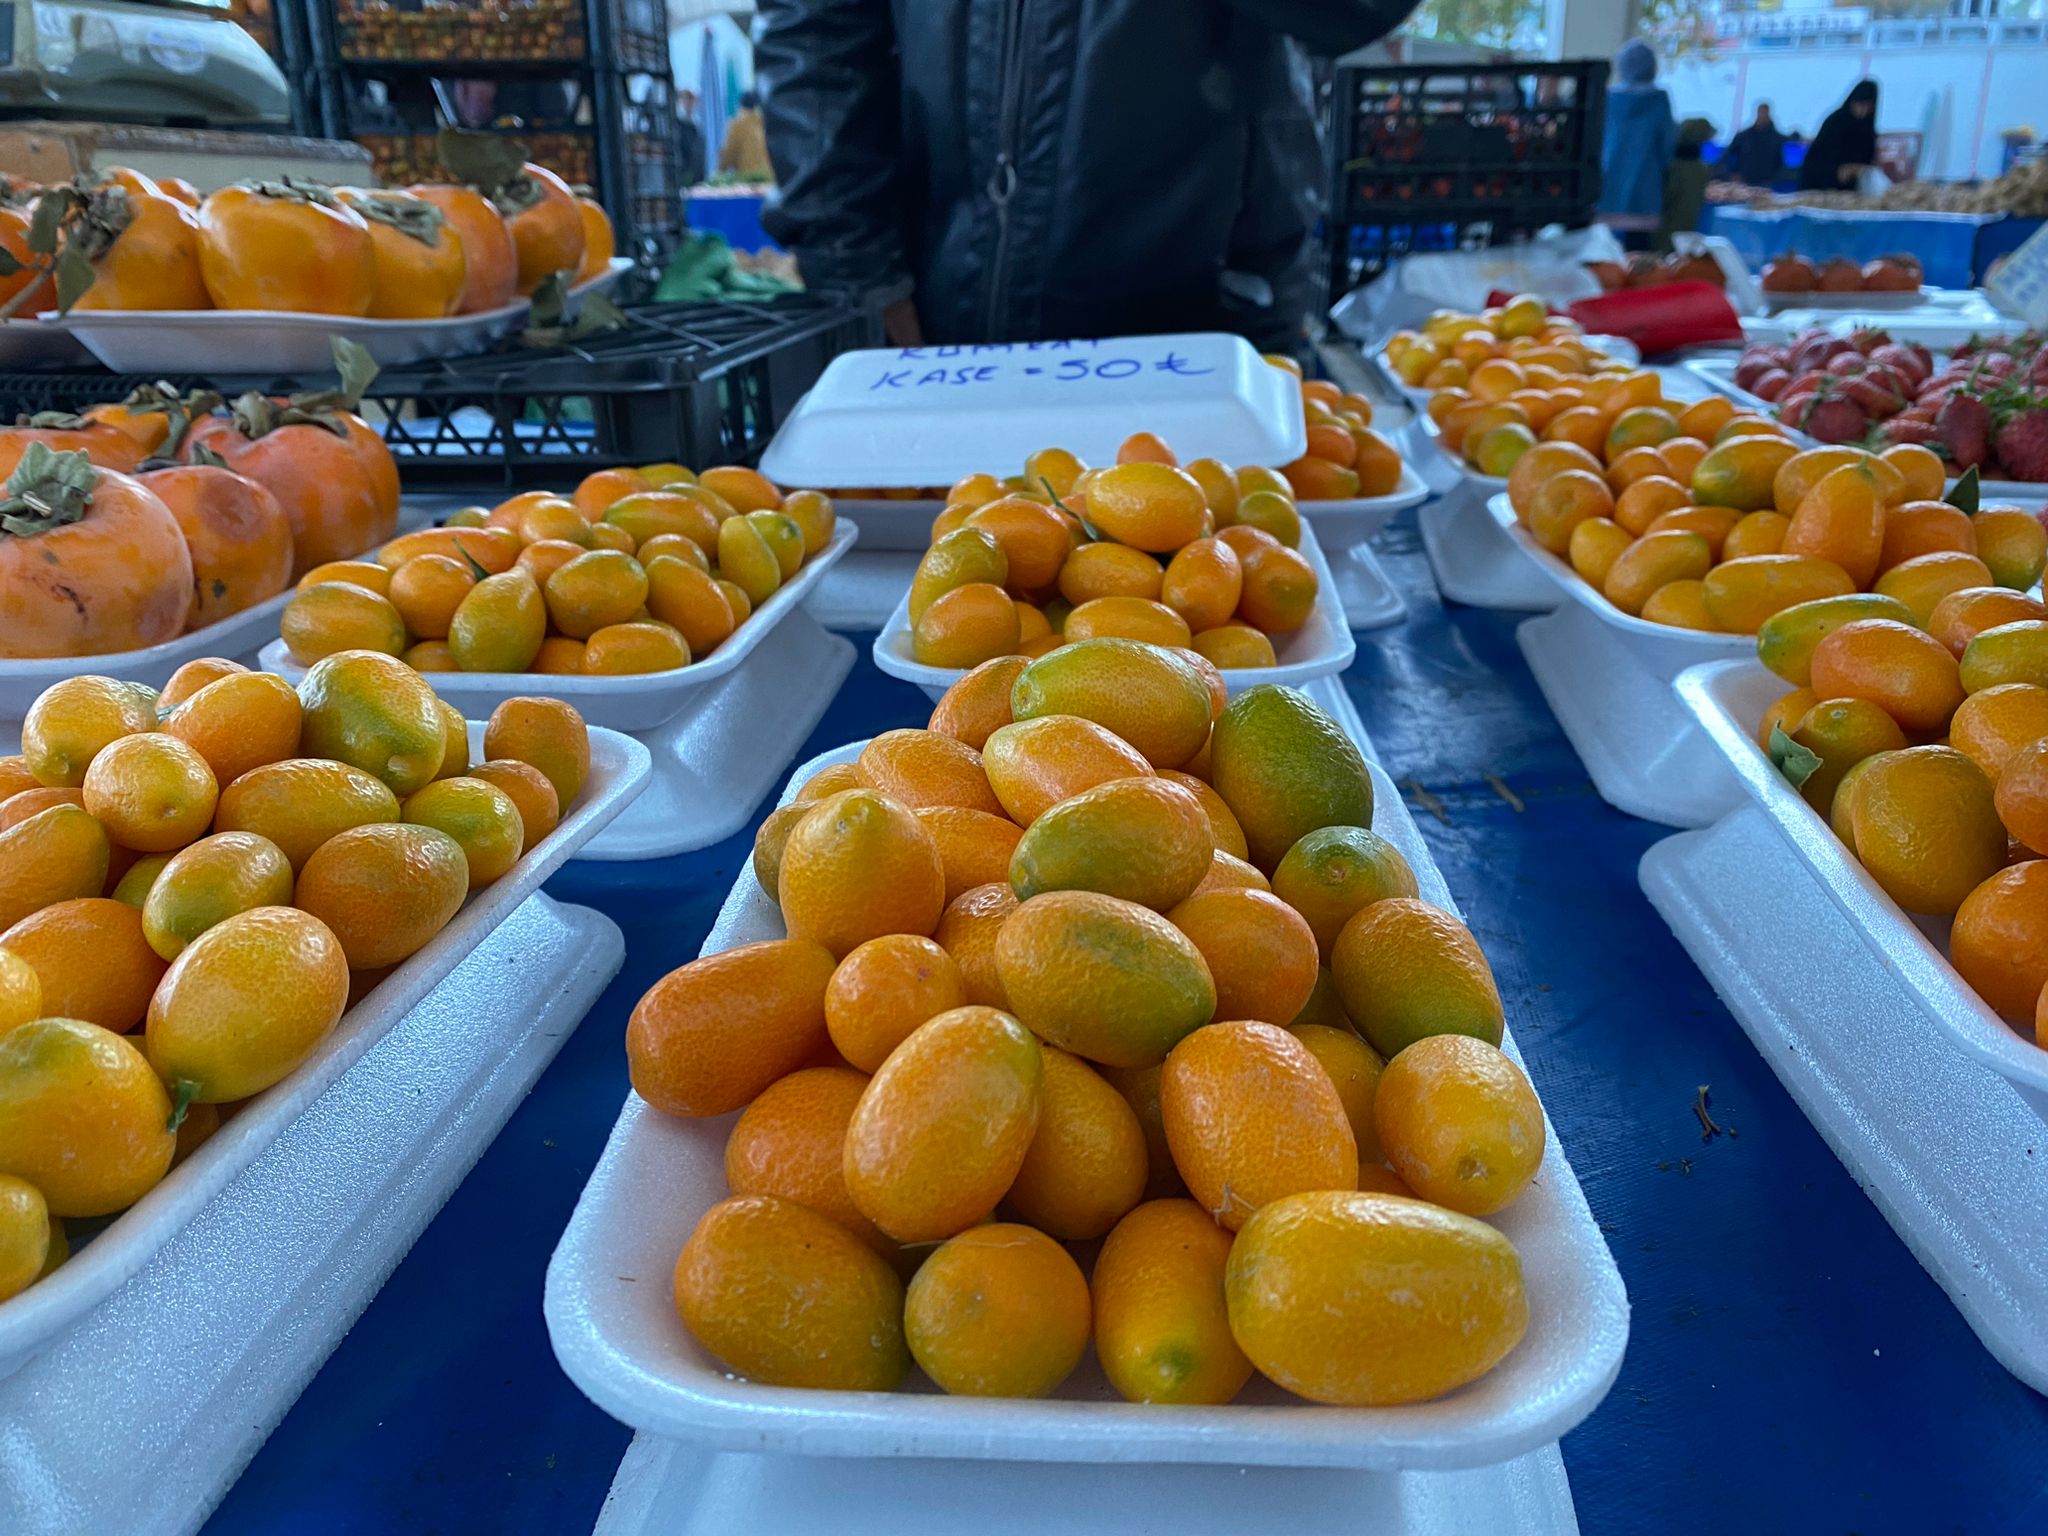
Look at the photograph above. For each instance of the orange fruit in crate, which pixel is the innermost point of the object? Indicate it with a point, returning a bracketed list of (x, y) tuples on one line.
[(1145, 448), (1261, 953), (710, 1036), (1354, 1298), (858, 867), (482, 819), (1999, 943), (967, 931), (546, 225), (1001, 1311), (791, 1143), (74, 718), (2013, 544), (93, 960), (966, 626), (1251, 1116), (1150, 698), (1925, 824), (386, 890), (1964, 614), (21, 993), (83, 1116), (1406, 970), (152, 792), (1841, 519), (1086, 1165), (1994, 723), (1923, 581), (1741, 472), (978, 705), (1756, 533), (975, 847), (1335, 872), (1539, 466), (193, 676), (1162, 1330), (1127, 618), (1743, 595), (883, 990), (1924, 528), (743, 489), (1460, 1123), (1109, 570), (1354, 1068), (944, 1124), (1148, 505), (920, 768), (209, 882), (2022, 795), (1143, 839), (779, 1294), (302, 803), (547, 733), (1033, 764), (1905, 671), (529, 790)]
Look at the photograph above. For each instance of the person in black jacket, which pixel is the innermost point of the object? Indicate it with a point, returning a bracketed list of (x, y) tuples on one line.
[(1846, 144), (1014, 170)]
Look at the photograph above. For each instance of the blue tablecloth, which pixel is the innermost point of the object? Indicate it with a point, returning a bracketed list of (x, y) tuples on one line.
[(1791, 1368)]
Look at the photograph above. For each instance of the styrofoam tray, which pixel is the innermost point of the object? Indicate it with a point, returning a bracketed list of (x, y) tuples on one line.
[(1360, 517), (29, 341), (930, 415), (1719, 373), (194, 1361), (612, 1320), (1876, 303), (632, 703), (618, 769), (235, 637), (666, 1488), (1947, 1151), (1475, 562), (1698, 644), (1729, 699), (890, 525), (253, 341), (1320, 647)]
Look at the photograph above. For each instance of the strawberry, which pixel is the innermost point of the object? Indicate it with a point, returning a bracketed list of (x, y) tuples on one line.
[(2023, 440), (1965, 427), (1770, 385), (1908, 362), (1750, 369), (1901, 430), (1874, 395), (1830, 418), (1868, 339), (2038, 374)]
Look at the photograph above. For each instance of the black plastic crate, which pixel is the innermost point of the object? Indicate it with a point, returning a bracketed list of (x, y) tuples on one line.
[(698, 384), (1451, 157), (482, 37)]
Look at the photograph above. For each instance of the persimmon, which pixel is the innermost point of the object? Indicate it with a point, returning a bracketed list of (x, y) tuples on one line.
[(546, 224), (150, 258), (91, 560), (24, 271), (285, 245), (599, 243), (238, 537), (490, 259), (332, 475), (420, 268), (106, 445), (156, 416)]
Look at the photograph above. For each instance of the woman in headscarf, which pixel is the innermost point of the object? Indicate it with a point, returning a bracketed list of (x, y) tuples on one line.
[(1845, 145), (1640, 138)]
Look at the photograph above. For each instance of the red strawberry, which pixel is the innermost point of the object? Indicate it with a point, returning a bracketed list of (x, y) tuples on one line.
[(2038, 374), (1868, 339), (1750, 369), (1902, 430), (1771, 385), (1876, 397), (2023, 442), (1849, 366), (1965, 427), (1904, 359), (1831, 418)]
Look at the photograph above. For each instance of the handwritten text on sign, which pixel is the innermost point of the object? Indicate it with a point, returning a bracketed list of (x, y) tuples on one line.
[(2021, 281), (913, 368)]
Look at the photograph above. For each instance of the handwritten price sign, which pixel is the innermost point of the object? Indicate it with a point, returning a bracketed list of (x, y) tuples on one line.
[(929, 415)]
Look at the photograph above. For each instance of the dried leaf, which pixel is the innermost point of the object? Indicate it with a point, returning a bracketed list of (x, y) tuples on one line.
[(74, 275), (490, 162), (47, 221), (357, 368), (48, 489), (1796, 762)]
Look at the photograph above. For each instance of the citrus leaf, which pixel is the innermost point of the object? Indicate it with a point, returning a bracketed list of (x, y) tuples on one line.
[(1967, 494), (1796, 762), (476, 568)]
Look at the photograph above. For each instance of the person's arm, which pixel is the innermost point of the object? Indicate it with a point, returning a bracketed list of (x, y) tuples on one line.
[(1328, 26), (827, 73)]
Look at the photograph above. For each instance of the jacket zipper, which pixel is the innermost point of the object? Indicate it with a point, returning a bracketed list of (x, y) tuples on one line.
[(1002, 182)]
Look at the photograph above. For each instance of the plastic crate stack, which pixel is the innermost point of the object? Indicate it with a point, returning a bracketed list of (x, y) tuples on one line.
[(1456, 157), (697, 383), (585, 84)]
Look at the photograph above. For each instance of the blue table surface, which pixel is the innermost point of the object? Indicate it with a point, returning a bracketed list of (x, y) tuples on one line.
[(1790, 1368)]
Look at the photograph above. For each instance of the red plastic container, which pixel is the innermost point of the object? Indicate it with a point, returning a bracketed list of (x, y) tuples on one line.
[(1663, 318)]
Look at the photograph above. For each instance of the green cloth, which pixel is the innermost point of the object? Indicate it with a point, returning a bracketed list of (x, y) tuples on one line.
[(703, 270)]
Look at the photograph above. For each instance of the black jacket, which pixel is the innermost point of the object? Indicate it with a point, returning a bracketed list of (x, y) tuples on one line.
[(1049, 168)]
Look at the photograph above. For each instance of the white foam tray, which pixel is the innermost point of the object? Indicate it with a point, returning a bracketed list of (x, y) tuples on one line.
[(140, 1418), (1319, 648), (1474, 560), (238, 342), (1728, 700), (1947, 1150), (1365, 590), (870, 421), (612, 1320), (890, 525), (237, 637), (1879, 303), (669, 1489), (30, 341), (1719, 374), (633, 703), (1358, 518), (1607, 677), (30, 1321)]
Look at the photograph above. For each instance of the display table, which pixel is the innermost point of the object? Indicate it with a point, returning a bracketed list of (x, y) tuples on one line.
[(1790, 1367), (1946, 243)]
